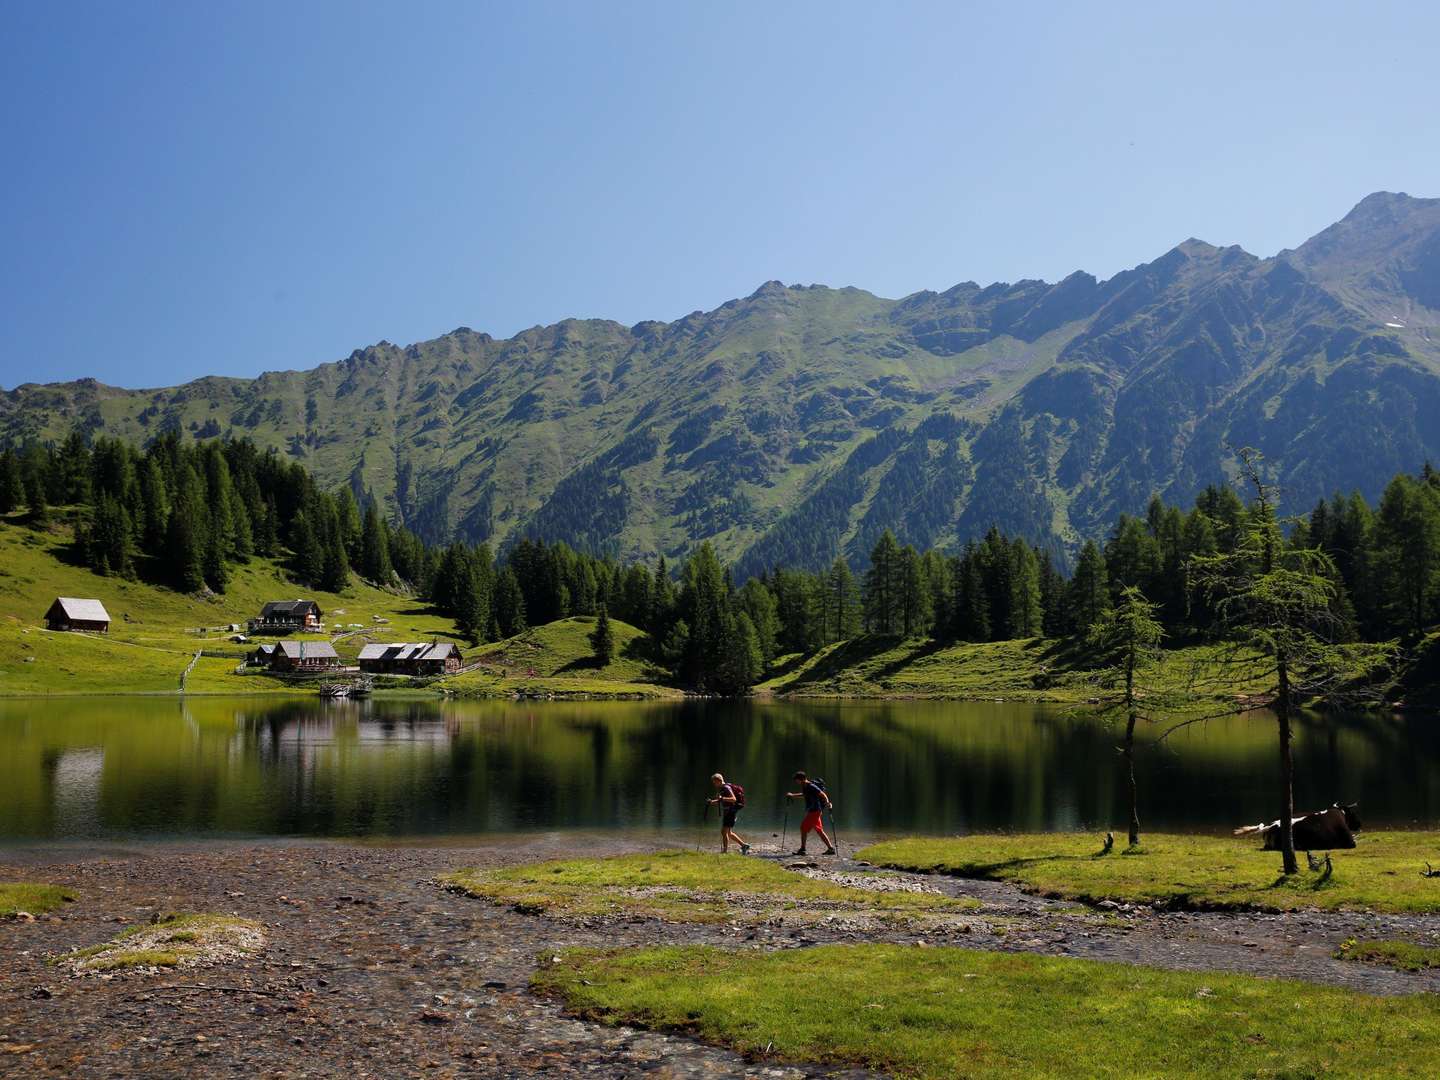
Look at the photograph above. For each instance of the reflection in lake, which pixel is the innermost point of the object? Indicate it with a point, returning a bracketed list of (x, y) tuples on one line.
[(161, 767)]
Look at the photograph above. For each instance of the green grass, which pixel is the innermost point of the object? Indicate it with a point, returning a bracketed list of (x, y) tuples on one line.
[(1403, 955), (153, 634), (32, 897), (562, 659), (171, 940), (1026, 670), (680, 886), (1381, 874), (941, 1013)]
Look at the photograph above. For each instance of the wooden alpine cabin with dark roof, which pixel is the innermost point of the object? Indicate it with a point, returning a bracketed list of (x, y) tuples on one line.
[(410, 658), (85, 616), (304, 656), (289, 617)]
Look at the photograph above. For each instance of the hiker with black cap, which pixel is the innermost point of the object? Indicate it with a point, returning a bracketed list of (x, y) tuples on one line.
[(816, 803), (731, 798)]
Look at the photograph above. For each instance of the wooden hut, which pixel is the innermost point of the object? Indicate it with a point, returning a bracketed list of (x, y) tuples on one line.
[(411, 658), (289, 617), (304, 656), (69, 613)]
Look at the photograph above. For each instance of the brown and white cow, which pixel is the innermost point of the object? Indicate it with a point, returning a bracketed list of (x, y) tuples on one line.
[(1321, 830)]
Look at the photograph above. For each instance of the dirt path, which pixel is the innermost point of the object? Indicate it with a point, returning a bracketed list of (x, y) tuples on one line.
[(371, 970)]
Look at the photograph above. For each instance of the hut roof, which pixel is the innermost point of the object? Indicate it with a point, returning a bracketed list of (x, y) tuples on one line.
[(406, 650), (84, 610), (308, 650), (288, 607)]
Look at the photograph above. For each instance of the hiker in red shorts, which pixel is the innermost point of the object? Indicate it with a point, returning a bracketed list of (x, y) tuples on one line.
[(816, 803)]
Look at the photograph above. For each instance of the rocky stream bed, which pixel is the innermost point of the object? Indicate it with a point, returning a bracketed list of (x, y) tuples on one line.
[(370, 969)]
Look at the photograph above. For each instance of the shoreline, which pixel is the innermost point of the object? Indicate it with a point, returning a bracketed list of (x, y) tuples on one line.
[(373, 968)]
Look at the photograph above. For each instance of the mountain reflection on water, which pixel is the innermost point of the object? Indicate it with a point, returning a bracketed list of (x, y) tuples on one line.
[(95, 768)]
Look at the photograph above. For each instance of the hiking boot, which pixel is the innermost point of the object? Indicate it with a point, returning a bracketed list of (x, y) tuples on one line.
[(831, 851), (744, 849), (802, 851)]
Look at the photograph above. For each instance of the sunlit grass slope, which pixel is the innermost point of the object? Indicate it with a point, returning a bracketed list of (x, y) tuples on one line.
[(1380, 874), (558, 659), (153, 634), (942, 1013)]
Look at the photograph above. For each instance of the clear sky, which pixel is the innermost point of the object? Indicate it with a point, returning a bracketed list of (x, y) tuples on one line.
[(226, 188)]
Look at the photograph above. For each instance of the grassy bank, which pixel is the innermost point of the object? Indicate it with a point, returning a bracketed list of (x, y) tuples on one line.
[(679, 886), (951, 1012), (557, 660), (1034, 669), (1381, 874)]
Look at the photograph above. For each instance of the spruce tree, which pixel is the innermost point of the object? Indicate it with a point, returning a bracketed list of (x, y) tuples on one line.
[(375, 549), (12, 483), (882, 586), (1088, 595), (602, 639), (509, 603)]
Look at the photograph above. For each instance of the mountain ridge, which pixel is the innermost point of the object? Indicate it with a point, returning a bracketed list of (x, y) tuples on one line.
[(793, 424)]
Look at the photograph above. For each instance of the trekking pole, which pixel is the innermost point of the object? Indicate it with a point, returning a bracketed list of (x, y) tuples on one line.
[(785, 827), (834, 832), (700, 832)]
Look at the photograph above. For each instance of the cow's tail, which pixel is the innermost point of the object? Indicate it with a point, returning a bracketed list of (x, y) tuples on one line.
[(1251, 830)]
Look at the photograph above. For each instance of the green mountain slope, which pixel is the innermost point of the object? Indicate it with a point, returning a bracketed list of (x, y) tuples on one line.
[(798, 422)]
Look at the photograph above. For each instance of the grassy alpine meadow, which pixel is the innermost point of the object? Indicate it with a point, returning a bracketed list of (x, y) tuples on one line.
[(557, 660), (680, 886), (32, 897), (933, 1013), (1032, 669), (156, 631), (1381, 874)]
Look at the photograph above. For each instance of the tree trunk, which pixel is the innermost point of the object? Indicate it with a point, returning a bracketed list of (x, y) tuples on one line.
[(1130, 772), (1287, 772), (1129, 750)]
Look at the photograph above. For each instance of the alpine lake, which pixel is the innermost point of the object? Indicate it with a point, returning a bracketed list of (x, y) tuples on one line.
[(133, 768)]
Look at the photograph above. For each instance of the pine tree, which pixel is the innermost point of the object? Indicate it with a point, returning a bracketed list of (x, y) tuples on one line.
[(186, 534), (842, 607), (12, 483), (375, 549), (602, 639), (758, 603), (1128, 636), (309, 553), (1275, 603), (882, 586), (1088, 595), (509, 603), (1407, 551)]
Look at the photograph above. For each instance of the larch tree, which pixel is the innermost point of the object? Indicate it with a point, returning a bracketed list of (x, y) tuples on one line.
[(1128, 636), (1274, 605)]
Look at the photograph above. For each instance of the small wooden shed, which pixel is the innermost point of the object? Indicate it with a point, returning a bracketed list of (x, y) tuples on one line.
[(70, 613)]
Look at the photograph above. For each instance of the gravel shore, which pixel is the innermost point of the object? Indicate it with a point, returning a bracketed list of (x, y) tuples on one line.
[(371, 970)]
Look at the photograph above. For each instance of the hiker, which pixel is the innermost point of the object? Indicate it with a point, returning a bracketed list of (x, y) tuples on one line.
[(816, 803), (731, 798)]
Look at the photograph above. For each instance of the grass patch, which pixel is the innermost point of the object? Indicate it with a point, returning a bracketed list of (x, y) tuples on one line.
[(31, 897), (956, 1012), (174, 940), (1381, 874), (1034, 669), (680, 886), (1402, 955), (562, 661)]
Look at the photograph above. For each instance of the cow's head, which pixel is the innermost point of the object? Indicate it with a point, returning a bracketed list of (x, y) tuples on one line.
[(1352, 819)]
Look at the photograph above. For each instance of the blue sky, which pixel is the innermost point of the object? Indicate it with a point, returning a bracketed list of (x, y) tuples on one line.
[(229, 188)]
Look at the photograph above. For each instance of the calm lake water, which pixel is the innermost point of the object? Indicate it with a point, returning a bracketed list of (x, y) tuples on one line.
[(143, 767)]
